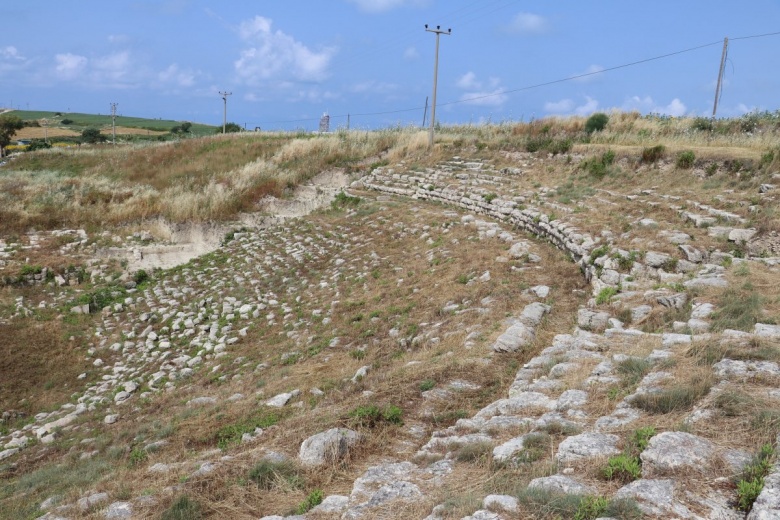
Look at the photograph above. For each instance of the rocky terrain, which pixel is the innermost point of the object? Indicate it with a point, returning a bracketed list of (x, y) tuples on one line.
[(481, 338)]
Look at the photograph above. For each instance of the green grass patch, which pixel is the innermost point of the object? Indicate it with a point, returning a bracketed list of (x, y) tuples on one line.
[(268, 475), (371, 416), (184, 508)]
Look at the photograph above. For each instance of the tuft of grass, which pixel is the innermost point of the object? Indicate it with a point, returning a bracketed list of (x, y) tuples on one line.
[(739, 309), (371, 416), (312, 500), (652, 154), (605, 295), (678, 398), (183, 509), (632, 370), (474, 452), (268, 475), (427, 385), (230, 434)]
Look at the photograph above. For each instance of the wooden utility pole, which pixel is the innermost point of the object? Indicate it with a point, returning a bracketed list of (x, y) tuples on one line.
[(438, 32), (113, 122), (224, 112), (719, 87), (425, 112)]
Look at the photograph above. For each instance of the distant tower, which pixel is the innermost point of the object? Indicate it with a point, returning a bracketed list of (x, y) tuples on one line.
[(325, 123)]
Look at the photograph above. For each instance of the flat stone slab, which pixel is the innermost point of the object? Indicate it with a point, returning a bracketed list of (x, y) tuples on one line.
[(587, 446), (672, 451), (561, 484), (654, 498)]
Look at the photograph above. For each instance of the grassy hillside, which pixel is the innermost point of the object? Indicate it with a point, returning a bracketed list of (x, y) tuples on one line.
[(81, 121), (380, 313)]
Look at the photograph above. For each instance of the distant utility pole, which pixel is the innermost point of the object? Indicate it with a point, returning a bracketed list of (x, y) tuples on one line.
[(113, 122), (719, 87), (224, 112), (425, 112), (438, 32)]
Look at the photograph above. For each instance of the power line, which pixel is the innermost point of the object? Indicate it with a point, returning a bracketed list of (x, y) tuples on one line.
[(537, 85)]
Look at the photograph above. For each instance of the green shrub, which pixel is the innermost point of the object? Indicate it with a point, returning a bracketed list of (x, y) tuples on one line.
[(371, 416), (685, 159), (605, 295), (489, 197), (641, 438), (427, 385), (751, 481), (342, 200), (312, 500), (182, 509), (653, 154), (596, 123), (624, 468), (140, 277), (591, 508), (702, 124)]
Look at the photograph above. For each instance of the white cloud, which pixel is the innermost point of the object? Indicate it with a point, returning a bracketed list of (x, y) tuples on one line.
[(276, 54), (118, 38), (114, 67), (675, 108), (589, 74), (374, 87), (563, 106), (528, 23), (479, 93), (468, 80), (173, 75), (10, 53), (69, 66), (11, 60), (379, 6), (590, 106), (411, 54)]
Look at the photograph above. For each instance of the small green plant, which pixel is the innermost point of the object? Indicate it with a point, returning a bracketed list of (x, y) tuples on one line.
[(312, 500), (137, 456), (473, 452), (28, 269), (427, 385), (605, 295), (596, 123), (591, 507), (342, 200), (641, 438), (140, 277), (463, 279), (371, 416), (489, 197), (751, 482), (624, 468), (685, 159), (357, 354), (231, 434), (183, 509)]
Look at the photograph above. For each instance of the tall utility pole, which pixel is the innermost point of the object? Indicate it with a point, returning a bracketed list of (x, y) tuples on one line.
[(224, 112), (438, 32), (719, 87), (113, 122)]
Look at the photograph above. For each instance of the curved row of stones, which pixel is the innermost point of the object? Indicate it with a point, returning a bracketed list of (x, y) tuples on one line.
[(539, 398), (189, 320)]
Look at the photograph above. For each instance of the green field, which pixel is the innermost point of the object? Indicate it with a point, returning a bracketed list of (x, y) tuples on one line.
[(81, 121)]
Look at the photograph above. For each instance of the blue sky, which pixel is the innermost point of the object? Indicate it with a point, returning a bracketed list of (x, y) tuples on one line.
[(287, 62)]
